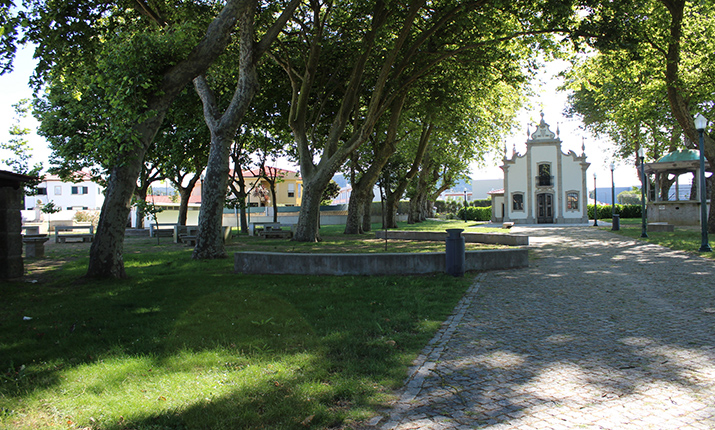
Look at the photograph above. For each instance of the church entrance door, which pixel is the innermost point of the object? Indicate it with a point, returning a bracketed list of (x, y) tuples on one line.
[(545, 208)]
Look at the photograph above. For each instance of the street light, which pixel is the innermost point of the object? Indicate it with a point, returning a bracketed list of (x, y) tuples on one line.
[(595, 203), (615, 219), (700, 123), (641, 157)]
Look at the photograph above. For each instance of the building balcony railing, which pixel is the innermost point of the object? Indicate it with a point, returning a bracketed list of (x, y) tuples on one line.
[(544, 181)]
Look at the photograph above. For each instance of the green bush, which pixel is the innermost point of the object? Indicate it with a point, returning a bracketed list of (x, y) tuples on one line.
[(625, 211), (476, 213), (481, 203)]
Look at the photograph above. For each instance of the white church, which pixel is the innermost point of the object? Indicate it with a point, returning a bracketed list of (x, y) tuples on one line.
[(544, 185)]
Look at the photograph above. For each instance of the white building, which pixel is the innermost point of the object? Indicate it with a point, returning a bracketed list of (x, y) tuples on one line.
[(544, 186), (71, 197)]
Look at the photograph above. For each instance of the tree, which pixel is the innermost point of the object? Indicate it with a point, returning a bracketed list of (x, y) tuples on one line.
[(19, 148), (49, 209), (330, 193), (673, 35), (223, 123), (182, 147), (391, 47), (113, 73), (630, 197)]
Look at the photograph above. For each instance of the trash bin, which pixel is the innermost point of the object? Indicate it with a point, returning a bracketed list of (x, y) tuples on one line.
[(616, 225), (455, 252)]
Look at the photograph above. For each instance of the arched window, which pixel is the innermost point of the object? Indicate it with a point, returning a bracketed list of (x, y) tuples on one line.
[(545, 179)]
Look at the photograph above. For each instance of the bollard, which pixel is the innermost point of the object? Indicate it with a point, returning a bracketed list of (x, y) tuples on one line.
[(616, 222), (455, 252)]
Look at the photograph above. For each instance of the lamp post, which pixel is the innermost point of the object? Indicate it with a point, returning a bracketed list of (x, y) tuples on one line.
[(615, 223), (465, 205), (595, 203), (641, 157), (700, 123)]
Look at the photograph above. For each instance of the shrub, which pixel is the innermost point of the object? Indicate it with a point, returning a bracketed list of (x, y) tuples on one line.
[(91, 217), (476, 213), (625, 211)]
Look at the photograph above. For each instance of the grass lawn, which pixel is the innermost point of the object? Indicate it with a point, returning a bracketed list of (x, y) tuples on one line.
[(186, 344), (684, 238)]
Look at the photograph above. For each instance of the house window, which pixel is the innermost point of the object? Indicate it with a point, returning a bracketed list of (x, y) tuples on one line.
[(572, 200), (80, 190), (517, 200), (58, 190), (42, 191), (544, 179), (291, 190)]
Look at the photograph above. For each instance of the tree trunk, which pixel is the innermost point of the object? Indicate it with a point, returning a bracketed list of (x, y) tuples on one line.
[(362, 189), (106, 253), (356, 207), (275, 201), (307, 229), (209, 240), (392, 202), (711, 216), (140, 194), (367, 215), (184, 195), (244, 218)]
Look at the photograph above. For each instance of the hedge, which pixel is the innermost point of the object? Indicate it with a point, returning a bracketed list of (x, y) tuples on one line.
[(476, 213), (625, 211)]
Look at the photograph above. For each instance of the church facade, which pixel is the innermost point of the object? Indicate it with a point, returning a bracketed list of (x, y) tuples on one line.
[(544, 185)]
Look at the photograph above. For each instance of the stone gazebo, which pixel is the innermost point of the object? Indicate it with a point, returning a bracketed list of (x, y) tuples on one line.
[(11, 193), (675, 212)]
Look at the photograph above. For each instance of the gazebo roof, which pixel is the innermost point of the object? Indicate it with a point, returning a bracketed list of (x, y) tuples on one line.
[(677, 162), (681, 155)]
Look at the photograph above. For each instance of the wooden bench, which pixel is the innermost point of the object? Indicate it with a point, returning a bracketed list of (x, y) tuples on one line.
[(83, 237)]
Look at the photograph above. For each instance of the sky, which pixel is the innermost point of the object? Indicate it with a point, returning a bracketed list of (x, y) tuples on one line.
[(14, 87)]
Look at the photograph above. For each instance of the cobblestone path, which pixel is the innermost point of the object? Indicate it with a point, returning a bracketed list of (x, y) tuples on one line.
[(600, 332)]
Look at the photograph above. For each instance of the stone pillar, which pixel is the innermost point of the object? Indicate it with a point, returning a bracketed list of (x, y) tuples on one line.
[(11, 266)]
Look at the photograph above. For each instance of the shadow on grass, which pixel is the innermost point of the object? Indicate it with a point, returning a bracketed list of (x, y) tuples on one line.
[(188, 344)]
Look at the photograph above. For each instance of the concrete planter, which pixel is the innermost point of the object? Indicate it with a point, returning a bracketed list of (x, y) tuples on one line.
[(490, 238), (278, 263)]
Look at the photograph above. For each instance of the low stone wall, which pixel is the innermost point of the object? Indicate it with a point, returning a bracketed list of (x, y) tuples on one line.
[(278, 263), (490, 238)]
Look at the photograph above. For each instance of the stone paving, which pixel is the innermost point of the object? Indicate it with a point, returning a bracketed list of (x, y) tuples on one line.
[(600, 332)]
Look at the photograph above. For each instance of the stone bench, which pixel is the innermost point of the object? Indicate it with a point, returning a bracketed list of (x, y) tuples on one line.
[(35, 245), (659, 227), (275, 234), (74, 237), (189, 240), (83, 237), (507, 225), (257, 227)]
